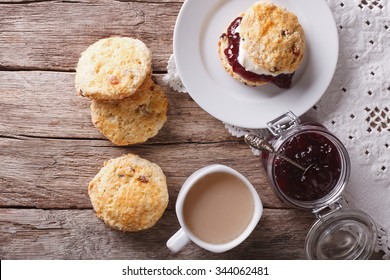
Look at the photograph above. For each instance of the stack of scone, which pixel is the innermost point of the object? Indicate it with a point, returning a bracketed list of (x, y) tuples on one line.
[(265, 44), (129, 193), (128, 107)]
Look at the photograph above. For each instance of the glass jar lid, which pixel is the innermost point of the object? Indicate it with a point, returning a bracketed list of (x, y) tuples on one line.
[(341, 235)]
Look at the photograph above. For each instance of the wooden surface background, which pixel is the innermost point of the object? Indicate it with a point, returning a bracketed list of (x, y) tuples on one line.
[(49, 149)]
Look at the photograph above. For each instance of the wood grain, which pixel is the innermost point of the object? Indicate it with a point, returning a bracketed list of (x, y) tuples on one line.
[(52, 34), (78, 234), (44, 104), (52, 173), (49, 149)]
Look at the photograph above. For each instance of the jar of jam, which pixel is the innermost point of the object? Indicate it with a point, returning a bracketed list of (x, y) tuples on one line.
[(317, 185)]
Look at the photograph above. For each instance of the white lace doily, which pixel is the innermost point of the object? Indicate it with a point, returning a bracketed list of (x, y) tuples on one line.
[(356, 106)]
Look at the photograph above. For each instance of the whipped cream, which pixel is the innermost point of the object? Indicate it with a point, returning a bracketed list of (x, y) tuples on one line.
[(245, 60)]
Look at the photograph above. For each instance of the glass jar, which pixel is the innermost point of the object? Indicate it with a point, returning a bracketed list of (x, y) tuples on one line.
[(339, 233)]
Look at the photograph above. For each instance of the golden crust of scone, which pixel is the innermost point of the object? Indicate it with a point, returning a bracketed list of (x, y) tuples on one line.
[(129, 193), (113, 68), (222, 45), (134, 119), (273, 37)]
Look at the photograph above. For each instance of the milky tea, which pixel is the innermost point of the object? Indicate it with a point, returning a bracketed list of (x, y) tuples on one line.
[(218, 208)]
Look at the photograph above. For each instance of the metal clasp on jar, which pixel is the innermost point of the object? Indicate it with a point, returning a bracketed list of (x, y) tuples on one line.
[(329, 209), (283, 123)]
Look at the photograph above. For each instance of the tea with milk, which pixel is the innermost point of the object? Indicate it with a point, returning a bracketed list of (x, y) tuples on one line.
[(218, 208)]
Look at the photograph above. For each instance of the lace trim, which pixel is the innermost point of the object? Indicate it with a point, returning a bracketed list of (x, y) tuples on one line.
[(172, 79), (383, 243)]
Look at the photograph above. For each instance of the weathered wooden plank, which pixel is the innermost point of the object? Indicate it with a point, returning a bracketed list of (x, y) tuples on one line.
[(51, 173), (78, 234), (44, 104), (52, 34)]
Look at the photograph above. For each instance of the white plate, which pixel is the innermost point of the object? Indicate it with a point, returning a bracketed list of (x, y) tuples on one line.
[(198, 27)]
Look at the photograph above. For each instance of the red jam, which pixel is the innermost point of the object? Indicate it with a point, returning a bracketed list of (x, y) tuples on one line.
[(319, 180), (231, 52)]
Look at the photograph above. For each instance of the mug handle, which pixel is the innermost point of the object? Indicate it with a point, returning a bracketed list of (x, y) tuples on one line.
[(178, 241)]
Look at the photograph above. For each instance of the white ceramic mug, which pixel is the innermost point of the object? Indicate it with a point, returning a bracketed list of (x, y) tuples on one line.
[(184, 235)]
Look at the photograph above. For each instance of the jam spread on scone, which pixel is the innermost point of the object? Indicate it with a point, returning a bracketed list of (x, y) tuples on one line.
[(231, 52)]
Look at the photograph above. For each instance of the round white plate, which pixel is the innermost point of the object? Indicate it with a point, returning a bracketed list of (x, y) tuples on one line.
[(198, 27)]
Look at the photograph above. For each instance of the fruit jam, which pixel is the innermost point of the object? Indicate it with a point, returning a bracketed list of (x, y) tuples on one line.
[(308, 149), (231, 52)]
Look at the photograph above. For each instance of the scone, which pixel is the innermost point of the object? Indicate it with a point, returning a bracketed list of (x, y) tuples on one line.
[(264, 44), (134, 119), (113, 68), (129, 193)]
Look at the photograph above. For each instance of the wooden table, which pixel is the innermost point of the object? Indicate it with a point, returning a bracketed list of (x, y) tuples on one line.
[(49, 149)]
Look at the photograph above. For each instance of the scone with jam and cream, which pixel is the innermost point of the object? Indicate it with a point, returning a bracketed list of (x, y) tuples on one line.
[(266, 44)]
